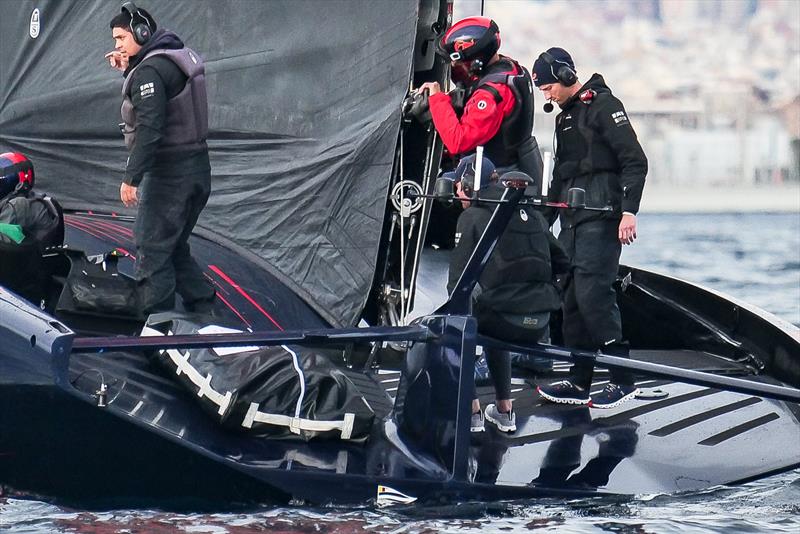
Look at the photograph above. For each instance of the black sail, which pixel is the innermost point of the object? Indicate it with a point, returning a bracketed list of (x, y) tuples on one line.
[(304, 108)]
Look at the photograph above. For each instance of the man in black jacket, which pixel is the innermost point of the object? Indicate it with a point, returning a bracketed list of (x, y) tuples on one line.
[(596, 150), (168, 175), (516, 289)]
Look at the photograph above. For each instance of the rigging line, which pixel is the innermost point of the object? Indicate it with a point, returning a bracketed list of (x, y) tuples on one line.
[(244, 293), (423, 223), (103, 223), (110, 231), (234, 310), (219, 293), (90, 231), (302, 379), (402, 237), (99, 233), (121, 230)]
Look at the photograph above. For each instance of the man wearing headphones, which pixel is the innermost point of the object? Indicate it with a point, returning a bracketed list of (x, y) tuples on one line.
[(168, 174), (596, 150), (517, 290), (498, 108)]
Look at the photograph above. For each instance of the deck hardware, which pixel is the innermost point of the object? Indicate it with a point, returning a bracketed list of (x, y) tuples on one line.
[(102, 395)]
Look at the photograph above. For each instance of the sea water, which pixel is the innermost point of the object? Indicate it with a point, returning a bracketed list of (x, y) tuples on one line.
[(754, 257)]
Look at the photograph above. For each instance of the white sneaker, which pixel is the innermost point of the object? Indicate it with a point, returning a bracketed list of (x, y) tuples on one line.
[(476, 423), (506, 422)]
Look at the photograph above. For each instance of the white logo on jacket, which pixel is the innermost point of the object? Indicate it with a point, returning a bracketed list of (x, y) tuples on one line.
[(482, 104), (619, 118), (147, 90)]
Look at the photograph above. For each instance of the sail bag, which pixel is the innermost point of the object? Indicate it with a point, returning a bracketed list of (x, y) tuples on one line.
[(275, 392)]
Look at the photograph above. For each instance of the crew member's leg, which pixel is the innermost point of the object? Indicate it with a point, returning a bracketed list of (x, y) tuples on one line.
[(499, 362), (596, 264), (492, 324), (194, 288), (156, 231), (575, 332)]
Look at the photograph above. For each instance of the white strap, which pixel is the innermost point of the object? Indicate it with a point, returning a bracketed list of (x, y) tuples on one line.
[(296, 424), (203, 383)]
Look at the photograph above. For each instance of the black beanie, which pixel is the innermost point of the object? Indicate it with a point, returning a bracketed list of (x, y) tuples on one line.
[(544, 73)]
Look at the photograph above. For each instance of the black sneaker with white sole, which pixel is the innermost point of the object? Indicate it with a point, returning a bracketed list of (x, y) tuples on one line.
[(564, 392), (612, 396)]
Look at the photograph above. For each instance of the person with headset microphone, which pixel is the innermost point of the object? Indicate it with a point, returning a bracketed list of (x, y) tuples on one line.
[(596, 150), (517, 287), (497, 112), (168, 173)]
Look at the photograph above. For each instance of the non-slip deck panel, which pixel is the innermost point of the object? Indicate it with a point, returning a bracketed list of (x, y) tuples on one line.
[(741, 429), (704, 416)]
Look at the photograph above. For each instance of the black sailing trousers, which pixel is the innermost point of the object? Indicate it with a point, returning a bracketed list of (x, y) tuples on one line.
[(490, 323), (591, 315), (169, 207)]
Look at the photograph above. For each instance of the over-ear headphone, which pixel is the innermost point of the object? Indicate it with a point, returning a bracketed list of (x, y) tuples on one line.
[(142, 29), (563, 73), (476, 67), (467, 183)]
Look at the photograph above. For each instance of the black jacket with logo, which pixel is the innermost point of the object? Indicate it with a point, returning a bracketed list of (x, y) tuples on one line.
[(152, 85), (597, 150), (519, 277)]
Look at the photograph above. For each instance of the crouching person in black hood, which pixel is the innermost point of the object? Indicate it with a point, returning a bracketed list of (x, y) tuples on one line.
[(516, 289), (168, 174)]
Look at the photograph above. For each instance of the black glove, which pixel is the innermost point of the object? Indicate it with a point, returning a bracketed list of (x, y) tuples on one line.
[(417, 107)]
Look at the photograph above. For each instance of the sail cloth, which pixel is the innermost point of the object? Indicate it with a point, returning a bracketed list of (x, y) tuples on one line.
[(304, 111)]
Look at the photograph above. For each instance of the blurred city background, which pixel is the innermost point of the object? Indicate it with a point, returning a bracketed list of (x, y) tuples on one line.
[(712, 88)]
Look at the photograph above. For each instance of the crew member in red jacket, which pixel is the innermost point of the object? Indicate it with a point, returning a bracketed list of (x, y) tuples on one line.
[(498, 109)]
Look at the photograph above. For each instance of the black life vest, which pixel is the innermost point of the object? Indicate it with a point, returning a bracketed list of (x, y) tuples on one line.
[(187, 112), (517, 128)]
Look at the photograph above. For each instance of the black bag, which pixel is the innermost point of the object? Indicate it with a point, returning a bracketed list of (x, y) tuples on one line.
[(21, 269), (94, 285), (40, 216), (42, 221), (275, 392)]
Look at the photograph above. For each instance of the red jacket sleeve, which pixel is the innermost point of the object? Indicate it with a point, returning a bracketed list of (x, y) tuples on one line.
[(480, 121)]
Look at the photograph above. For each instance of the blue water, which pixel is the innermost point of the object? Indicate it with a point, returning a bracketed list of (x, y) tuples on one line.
[(753, 257)]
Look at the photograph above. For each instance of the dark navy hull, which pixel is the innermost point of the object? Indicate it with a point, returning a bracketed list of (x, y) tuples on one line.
[(151, 444)]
